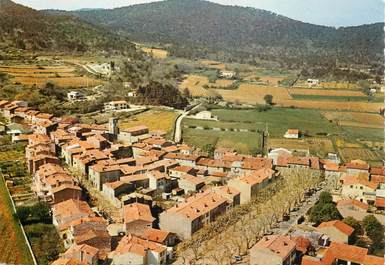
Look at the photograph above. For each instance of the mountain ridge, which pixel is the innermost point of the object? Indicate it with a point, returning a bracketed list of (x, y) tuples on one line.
[(25, 28), (239, 29)]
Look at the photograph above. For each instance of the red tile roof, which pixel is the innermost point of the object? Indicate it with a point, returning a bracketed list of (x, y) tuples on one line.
[(377, 171), (346, 253), (379, 179), (184, 169), (198, 205), (280, 245), (380, 202), (156, 235), (357, 164), (302, 244), (353, 202), (358, 179), (341, 226), (137, 211), (178, 156), (133, 244)]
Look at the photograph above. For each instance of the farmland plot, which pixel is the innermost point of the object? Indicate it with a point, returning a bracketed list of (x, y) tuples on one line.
[(348, 154), (333, 105), (316, 146), (325, 92), (253, 94), (64, 76), (195, 83), (199, 85), (154, 119), (30, 69), (355, 119), (76, 81), (213, 64), (156, 53)]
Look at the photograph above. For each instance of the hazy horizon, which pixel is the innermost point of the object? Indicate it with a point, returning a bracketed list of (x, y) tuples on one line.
[(334, 13)]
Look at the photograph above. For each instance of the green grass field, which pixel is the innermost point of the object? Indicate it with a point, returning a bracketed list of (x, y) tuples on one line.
[(277, 120), (366, 134)]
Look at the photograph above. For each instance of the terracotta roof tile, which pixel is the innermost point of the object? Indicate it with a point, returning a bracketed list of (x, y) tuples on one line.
[(198, 205), (137, 211), (353, 202), (281, 245), (341, 226), (133, 244)]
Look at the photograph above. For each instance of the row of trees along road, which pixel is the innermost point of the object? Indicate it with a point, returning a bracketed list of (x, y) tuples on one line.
[(240, 228)]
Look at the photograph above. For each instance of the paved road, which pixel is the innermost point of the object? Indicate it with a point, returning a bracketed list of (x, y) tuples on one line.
[(178, 124), (285, 226)]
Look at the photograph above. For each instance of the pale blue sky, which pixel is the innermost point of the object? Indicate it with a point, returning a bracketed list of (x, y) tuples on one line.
[(322, 12)]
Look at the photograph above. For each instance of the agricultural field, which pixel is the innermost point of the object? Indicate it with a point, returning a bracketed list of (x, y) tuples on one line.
[(355, 119), (15, 251), (195, 84), (277, 120), (238, 124), (330, 85), (199, 85), (243, 142), (213, 64), (155, 119), (75, 81), (64, 76), (339, 85), (325, 92), (348, 154), (335, 98), (253, 94), (271, 80), (359, 134), (155, 53), (318, 146), (334, 105)]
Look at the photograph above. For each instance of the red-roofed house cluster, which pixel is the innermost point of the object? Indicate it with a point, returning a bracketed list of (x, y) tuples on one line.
[(326, 244), (134, 169)]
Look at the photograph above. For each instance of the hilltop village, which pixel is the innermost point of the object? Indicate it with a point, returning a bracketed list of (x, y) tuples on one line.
[(150, 195)]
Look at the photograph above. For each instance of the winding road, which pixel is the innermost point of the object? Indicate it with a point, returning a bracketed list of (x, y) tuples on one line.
[(178, 124)]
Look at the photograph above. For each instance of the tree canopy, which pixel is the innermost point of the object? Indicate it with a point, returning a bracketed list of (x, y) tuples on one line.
[(375, 231), (324, 210)]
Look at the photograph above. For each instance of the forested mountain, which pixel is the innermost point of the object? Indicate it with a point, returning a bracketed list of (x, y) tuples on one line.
[(25, 28), (198, 27)]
